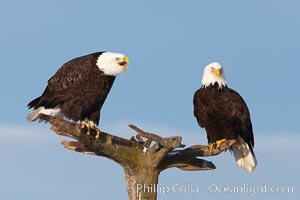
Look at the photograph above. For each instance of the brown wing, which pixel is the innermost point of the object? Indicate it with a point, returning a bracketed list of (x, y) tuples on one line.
[(201, 108), (70, 75), (239, 116)]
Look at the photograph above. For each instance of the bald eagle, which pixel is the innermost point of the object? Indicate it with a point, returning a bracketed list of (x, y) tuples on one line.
[(79, 88), (224, 115)]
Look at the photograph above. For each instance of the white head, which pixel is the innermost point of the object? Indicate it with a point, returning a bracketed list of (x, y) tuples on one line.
[(213, 73), (112, 64)]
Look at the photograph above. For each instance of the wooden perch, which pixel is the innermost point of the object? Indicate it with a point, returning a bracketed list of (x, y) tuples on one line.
[(141, 162)]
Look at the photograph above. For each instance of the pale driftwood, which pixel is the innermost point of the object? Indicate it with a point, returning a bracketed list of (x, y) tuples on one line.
[(142, 163)]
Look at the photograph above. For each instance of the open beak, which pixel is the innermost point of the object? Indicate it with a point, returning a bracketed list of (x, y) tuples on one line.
[(124, 62), (217, 72)]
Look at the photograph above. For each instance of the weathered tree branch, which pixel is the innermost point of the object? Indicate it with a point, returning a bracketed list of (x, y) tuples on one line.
[(187, 159), (141, 162)]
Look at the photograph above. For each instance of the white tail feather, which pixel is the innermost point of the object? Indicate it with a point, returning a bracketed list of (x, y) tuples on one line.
[(244, 157), (33, 115)]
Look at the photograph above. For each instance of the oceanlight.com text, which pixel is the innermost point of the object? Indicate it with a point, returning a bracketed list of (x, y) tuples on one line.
[(190, 188)]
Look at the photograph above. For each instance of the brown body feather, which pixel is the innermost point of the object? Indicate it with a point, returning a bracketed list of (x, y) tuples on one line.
[(78, 88), (223, 113)]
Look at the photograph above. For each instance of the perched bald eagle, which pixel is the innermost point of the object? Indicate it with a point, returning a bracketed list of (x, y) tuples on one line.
[(79, 88), (224, 115)]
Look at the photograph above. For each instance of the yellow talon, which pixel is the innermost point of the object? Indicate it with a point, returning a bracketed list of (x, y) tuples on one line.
[(83, 125), (219, 142), (89, 126), (92, 124), (216, 145), (97, 133)]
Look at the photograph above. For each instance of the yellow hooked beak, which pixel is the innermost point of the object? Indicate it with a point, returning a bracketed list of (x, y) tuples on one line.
[(217, 72), (124, 62)]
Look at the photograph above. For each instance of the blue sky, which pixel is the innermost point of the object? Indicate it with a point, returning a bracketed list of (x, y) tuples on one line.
[(168, 43)]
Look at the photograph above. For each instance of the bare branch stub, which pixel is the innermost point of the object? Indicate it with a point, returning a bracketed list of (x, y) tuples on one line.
[(149, 136), (160, 148), (169, 142)]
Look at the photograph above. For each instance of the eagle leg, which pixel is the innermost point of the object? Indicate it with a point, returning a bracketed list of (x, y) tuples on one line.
[(216, 144)]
